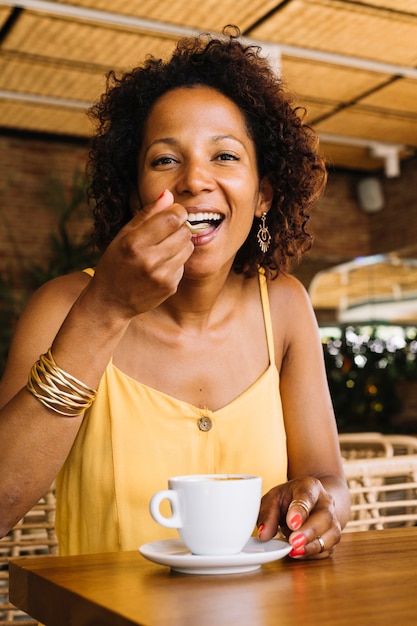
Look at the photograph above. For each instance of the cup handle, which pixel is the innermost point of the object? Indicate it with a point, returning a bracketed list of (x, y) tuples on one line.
[(174, 521)]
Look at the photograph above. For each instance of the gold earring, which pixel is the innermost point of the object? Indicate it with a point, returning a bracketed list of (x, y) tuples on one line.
[(263, 236)]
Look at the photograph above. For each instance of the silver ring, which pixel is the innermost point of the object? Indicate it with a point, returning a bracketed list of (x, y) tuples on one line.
[(321, 542), (300, 503)]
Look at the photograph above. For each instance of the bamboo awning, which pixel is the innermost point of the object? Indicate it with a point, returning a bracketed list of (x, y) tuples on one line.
[(353, 65)]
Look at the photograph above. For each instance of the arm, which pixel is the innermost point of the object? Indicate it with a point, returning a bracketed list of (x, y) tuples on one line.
[(315, 471), (34, 442), (83, 319)]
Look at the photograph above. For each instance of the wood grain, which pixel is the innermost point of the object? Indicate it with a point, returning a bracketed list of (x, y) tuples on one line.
[(370, 579)]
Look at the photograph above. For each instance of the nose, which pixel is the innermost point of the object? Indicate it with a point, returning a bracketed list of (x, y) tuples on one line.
[(194, 177)]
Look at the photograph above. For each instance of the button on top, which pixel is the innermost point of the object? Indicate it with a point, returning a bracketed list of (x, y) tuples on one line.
[(205, 424)]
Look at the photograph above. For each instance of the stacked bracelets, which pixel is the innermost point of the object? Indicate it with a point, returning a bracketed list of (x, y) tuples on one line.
[(58, 390)]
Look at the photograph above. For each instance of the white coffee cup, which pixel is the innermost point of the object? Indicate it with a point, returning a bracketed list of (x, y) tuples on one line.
[(215, 514)]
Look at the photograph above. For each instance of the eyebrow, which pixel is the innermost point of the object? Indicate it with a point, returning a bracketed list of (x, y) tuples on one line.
[(171, 141), (232, 137)]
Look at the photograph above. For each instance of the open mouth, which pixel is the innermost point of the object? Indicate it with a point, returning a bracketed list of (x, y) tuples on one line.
[(199, 223)]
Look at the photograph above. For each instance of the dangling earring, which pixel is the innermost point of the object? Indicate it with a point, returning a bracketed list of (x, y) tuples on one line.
[(263, 236)]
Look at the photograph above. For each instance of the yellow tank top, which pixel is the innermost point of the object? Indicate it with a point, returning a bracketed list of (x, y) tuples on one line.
[(134, 438)]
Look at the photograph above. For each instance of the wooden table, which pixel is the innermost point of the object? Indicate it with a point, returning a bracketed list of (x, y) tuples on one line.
[(371, 579)]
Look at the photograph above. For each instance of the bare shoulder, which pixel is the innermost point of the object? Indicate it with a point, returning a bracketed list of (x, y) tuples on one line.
[(59, 293), (50, 304), (288, 292), (293, 318)]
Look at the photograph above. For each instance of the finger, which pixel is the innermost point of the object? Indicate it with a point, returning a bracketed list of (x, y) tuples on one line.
[(298, 511), (304, 497), (270, 514), (164, 201), (311, 551), (320, 541), (324, 542), (168, 265), (174, 218), (320, 548), (143, 211), (158, 221), (318, 537)]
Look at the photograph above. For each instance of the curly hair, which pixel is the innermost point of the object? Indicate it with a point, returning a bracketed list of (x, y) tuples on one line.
[(286, 148)]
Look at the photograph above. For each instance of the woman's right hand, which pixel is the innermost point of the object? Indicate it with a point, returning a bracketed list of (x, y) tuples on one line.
[(144, 263), (84, 320)]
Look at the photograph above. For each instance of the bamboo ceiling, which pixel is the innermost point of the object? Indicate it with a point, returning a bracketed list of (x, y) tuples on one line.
[(352, 64)]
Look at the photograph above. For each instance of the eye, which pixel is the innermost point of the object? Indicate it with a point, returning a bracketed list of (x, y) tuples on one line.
[(163, 160), (227, 156)]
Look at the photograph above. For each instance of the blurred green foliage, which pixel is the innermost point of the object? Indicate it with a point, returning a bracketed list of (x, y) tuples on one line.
[(364, 368)]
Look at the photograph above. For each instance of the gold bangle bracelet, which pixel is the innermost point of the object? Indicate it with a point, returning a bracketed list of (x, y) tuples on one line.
[(57, 390)]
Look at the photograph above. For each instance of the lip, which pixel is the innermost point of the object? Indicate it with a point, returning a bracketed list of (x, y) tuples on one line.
[(200, 237), (206, 237), (194, 208)]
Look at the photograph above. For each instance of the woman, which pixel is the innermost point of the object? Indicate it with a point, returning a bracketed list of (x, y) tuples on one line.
[(190, 349)]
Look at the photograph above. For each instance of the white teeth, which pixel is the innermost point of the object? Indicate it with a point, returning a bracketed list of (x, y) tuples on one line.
[(203, 217), (197, 222)]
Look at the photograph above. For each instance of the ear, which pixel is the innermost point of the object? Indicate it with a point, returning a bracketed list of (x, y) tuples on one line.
[(266, 195)]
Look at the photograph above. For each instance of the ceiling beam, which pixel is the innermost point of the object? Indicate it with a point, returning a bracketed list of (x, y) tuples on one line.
[(100, 16), (173, 30), (43, 100), (389, 153)]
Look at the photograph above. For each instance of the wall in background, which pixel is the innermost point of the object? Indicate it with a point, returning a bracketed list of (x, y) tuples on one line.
[(344, 231), (27, 166)]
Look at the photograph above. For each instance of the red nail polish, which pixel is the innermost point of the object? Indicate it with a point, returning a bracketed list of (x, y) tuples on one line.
[(298, 541), (261, 529), (296, 520), (159, 197), (298, 552)]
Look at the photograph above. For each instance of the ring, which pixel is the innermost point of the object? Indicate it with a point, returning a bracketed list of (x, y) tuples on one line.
[(321, 542), (300, 503)]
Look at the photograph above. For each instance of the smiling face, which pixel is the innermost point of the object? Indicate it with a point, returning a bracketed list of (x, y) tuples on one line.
[(196, 144)]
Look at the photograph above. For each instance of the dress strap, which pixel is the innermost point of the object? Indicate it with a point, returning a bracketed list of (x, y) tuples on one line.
[(263, 286)]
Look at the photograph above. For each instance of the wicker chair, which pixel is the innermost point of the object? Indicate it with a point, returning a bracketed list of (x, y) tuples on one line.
[(383, 492), (364, 446), (34, 534), (373, 444), (402, 444)]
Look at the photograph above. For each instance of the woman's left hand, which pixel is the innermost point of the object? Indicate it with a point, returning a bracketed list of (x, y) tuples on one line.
[(305, 513)]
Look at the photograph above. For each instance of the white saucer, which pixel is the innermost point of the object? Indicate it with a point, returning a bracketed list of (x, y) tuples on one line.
[(172, 552)]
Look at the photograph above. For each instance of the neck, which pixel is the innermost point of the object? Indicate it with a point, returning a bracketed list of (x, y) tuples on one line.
[(200, 305)]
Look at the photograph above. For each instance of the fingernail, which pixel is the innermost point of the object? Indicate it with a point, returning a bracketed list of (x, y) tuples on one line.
[(298, 541), (296, 520), (261, 529), (297, 552)]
